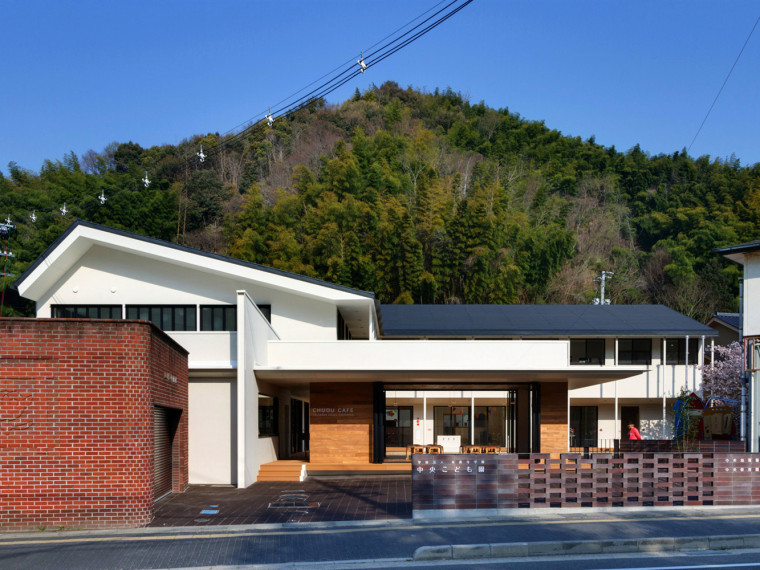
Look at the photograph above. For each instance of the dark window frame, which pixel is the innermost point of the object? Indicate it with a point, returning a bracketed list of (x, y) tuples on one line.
[(639, 352), (680, 351), (170, 318), (218, 318), (269, 418), (57, 310), (587, 354), (584, 425), (266, 310)]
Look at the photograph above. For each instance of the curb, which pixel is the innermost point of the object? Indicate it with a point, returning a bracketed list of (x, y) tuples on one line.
[(569, 547)]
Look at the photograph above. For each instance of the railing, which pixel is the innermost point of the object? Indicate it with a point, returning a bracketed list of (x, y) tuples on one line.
[(589, 447), (617, 446)]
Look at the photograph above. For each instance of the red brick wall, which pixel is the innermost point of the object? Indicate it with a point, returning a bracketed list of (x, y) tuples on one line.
[(76, 421)]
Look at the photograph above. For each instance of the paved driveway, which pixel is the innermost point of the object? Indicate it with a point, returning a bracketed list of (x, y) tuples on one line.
[(314, 500)]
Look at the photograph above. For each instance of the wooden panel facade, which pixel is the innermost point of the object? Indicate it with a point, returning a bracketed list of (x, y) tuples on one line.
[(554, 420), (341, 424)]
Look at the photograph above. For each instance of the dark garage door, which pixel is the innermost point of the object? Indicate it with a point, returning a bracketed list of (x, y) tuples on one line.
[(165, 421)]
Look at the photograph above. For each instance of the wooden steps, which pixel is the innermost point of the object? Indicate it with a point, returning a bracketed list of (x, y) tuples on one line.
[(292, 470), (282, 471), (358, 468)]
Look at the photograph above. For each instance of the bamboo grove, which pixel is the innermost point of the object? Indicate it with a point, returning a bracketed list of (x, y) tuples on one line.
[(420, 197)]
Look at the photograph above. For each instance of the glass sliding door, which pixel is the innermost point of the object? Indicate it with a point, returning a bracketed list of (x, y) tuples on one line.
[(489, 428), (584, 429), (398, 426)]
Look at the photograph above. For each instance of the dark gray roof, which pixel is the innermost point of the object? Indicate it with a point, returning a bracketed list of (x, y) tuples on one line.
[(731, 319), (176, 246), (495, 321), (745, 247)]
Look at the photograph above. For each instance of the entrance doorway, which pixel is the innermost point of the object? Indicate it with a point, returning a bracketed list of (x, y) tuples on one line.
[(584, 426), (455, 415), (165, 423), (490, 424), (628, 415), (299, 426), (398, 426)]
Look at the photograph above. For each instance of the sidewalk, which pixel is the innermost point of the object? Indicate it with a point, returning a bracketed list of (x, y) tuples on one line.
[(318, 499)]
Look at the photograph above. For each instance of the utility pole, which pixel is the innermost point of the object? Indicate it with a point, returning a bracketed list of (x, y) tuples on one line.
[(602, 279), (5, 231)]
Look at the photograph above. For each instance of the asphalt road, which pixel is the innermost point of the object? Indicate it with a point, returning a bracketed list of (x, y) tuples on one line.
[(359, 544)]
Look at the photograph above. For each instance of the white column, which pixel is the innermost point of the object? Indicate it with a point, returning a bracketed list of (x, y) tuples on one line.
[(700, 364), (686, 365), (424, 417), (664, 364), (712, 353), (568, 420), (472, 418), (617, 422)]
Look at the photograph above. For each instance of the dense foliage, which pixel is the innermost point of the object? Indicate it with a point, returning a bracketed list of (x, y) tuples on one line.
[(422, 198)]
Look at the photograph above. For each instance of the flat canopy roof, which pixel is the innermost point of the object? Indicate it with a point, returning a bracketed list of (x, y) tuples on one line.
[(533, 321), (737, 252)]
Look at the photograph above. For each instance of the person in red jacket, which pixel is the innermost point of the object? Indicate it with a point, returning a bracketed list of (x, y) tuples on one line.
[(633, 433)]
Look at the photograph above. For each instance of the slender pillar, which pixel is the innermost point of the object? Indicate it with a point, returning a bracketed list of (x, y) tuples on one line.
[(686, 365), (472, 418), (424, 418), (617, 422)]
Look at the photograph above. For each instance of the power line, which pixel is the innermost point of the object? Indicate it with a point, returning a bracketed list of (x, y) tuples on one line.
[(347, 62), (724, 84), (336, 82), (324, 89)]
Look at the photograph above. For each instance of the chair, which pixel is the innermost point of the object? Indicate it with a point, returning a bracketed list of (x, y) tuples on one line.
[(412, 449), (433, 448)]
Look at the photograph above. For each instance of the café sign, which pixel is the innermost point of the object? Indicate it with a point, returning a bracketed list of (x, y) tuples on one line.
[(332, 412)]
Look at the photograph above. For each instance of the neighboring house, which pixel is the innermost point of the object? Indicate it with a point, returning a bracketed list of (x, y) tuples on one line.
[(282, 365), (748, 255), (729, 327)]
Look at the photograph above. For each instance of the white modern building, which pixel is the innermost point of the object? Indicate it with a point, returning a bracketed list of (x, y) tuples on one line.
[(287, 366), (748, 255)]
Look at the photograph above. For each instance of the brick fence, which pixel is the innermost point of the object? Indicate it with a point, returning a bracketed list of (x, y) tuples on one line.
[(78, 401), (678, 446), (504, 481)]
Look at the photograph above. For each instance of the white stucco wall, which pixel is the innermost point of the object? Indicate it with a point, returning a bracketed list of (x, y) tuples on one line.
[(211, 431), (109, 277), (650, 421), (752, 294), (654, 381)]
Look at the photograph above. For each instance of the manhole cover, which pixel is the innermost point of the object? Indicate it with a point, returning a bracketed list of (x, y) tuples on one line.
[(293, 501)]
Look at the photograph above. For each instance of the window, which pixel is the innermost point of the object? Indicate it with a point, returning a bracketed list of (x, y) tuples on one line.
[(165, 317), (489, 429), (398, 426), (752, 351), (266, 310), (267, 416), (344, 333), (587, 351), (675, 350), (583, 426), (635, 351), (219, 317), (86, 311)]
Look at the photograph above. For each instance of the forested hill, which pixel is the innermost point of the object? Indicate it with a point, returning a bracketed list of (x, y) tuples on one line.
[(422, 198)]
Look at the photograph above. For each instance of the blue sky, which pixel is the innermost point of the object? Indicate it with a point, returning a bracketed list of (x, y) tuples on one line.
[(80, 74)]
